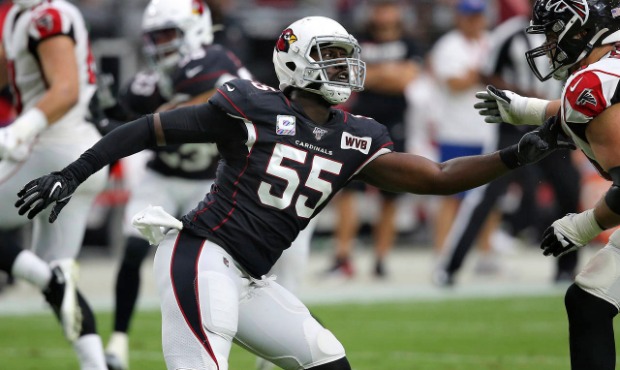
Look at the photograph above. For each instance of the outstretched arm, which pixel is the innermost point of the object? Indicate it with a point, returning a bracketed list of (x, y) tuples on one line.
[(506, 106), (403, 172), (184, 125), (400, 172)]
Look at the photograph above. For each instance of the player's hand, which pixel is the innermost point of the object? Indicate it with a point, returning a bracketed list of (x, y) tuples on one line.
[(499, 106), (569, 233), (539, 143), (57, 187)]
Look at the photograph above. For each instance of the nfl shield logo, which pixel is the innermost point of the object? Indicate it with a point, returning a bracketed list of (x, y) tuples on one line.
[(318, 133), (285, 125)]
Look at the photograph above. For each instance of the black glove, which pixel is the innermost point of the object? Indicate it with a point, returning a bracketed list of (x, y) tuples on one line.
[(40, 193), (535, 145)]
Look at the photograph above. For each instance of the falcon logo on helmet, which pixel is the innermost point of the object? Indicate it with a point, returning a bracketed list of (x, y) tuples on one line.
[(577, 7), (286, 39)]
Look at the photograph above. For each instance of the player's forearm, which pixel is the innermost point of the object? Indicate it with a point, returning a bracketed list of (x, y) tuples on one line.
[(607, 210), (402, 172), (552, 108), (57, 102), (121, 142), (464, 173)]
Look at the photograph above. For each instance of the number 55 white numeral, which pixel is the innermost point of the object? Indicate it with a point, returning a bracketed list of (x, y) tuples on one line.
[(314, 181)]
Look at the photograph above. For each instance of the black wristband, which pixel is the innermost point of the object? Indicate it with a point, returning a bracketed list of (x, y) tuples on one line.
[(509, 156)]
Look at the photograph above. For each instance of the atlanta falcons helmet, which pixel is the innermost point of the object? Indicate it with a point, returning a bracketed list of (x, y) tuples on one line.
[(572, 29), (190, 20), (295, 67)]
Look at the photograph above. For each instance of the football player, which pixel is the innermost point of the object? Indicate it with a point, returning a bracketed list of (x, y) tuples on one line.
[(582, 47), (285, 153), (51, 73), (186, 68)]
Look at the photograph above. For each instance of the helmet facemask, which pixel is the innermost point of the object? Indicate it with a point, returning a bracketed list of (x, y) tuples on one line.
[(301, 59), (173, 29), (562, 48), (572, 30), (317, 73), (162, 47)]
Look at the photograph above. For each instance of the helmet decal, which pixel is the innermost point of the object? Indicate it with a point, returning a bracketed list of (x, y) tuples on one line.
[(578, 7), (198, 7), (299, 63), (286, 39)]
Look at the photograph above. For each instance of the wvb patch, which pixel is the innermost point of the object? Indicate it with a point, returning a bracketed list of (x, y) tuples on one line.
[(285, 125), (349, 141)]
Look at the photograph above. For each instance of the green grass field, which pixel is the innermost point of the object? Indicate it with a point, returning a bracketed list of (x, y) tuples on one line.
[(468, 334)]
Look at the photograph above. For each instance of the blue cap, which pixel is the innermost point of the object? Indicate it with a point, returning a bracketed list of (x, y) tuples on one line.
[(471, 6)]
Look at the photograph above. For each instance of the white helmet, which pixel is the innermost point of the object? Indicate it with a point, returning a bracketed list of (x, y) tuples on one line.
[(295, 67), (190, 19), (24, 4)]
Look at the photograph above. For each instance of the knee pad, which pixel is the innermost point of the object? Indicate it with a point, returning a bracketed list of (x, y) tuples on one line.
[(136, 251), (219, 303), (600, 275), (328, 344)]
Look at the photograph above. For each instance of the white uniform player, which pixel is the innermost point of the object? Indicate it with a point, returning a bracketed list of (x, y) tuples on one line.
[(583, 48), (51, 72)]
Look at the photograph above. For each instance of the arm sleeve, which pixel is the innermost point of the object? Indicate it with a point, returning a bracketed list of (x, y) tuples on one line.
[(195, 124)]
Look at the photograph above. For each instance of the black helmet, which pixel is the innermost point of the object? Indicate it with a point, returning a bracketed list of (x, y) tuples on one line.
[(572, 28)]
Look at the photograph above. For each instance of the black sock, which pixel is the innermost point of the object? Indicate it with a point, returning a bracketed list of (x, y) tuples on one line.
[(591, 332), (128, 282)]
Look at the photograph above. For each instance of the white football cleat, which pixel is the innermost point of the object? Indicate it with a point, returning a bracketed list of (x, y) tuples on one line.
[(61, 294), (117, 352)]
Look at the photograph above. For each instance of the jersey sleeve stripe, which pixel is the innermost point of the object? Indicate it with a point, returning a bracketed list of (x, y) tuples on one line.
[(232, 104), (382, 150)]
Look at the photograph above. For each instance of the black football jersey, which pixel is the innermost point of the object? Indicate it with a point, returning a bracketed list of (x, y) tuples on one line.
[(203, 71), (271, 182), (141, 95)]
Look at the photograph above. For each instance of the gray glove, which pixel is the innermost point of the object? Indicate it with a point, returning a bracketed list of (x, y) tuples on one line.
[(499, 106)]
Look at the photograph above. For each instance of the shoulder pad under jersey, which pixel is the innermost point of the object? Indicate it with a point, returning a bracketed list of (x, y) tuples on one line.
[(249, 99), (48, 21), (587, 95)]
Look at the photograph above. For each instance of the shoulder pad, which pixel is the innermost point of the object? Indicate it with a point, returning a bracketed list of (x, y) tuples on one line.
[(47, 22), (245, 98), (585, 96)]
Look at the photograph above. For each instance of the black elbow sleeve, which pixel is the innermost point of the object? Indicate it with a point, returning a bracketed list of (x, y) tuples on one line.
[(612, 198)]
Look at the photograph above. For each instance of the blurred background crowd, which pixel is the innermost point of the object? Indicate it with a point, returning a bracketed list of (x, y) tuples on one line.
[(426, 59)]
